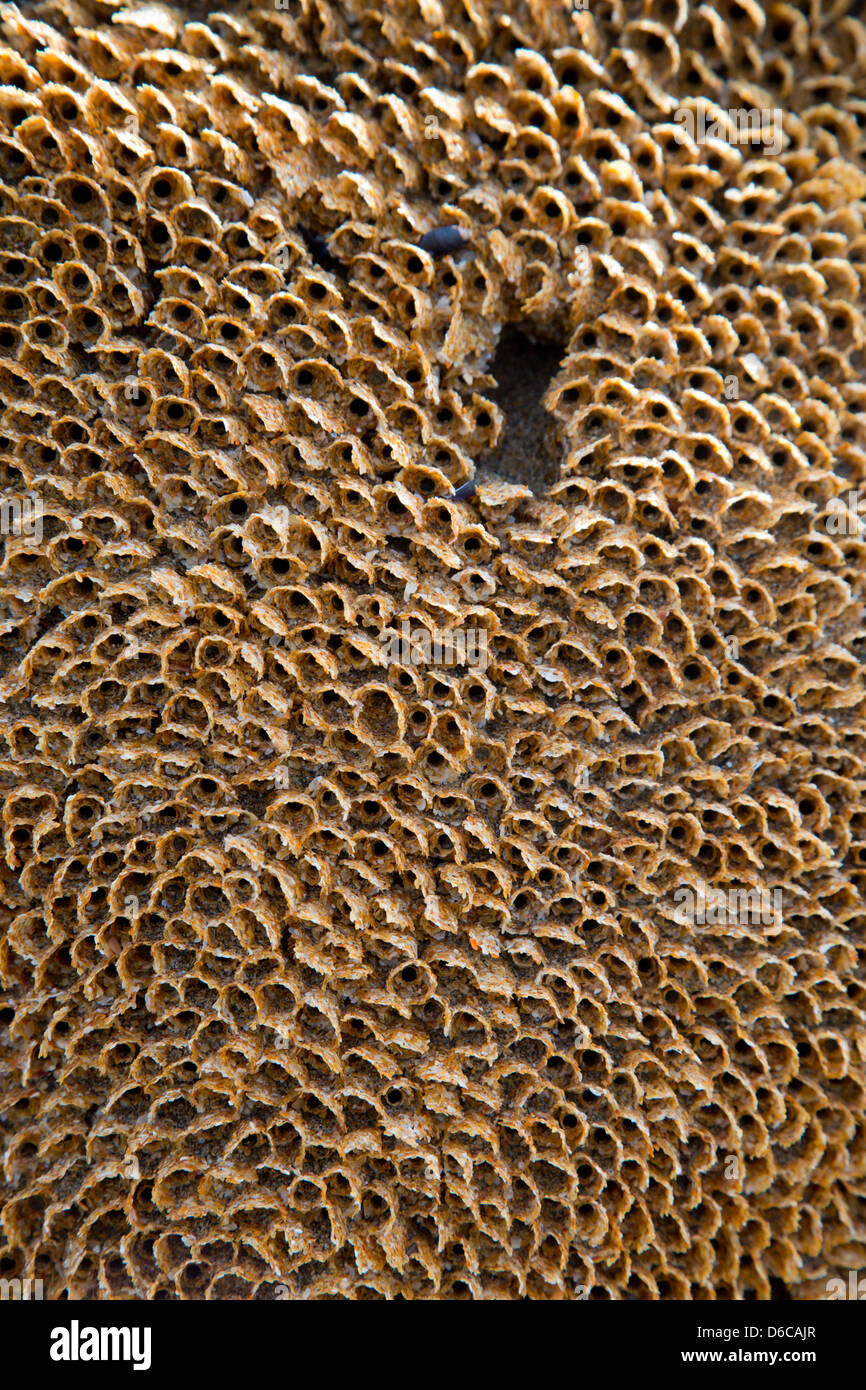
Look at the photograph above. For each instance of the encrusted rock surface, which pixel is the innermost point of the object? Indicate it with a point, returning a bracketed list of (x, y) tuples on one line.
[(325, 968)]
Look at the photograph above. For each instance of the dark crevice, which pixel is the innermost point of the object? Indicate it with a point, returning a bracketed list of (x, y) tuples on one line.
[(531, 446)]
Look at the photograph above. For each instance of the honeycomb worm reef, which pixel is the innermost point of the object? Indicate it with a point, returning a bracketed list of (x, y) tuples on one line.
[(328, 968)]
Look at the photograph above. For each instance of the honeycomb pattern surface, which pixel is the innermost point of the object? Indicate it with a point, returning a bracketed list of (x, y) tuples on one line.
[(328, 970)]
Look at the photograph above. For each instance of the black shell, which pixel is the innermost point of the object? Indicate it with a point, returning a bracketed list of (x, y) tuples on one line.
[(440, 240), (461, 493), (318, 249)]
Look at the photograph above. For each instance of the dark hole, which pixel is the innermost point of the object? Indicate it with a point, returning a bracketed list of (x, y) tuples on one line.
[(529, 450)]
